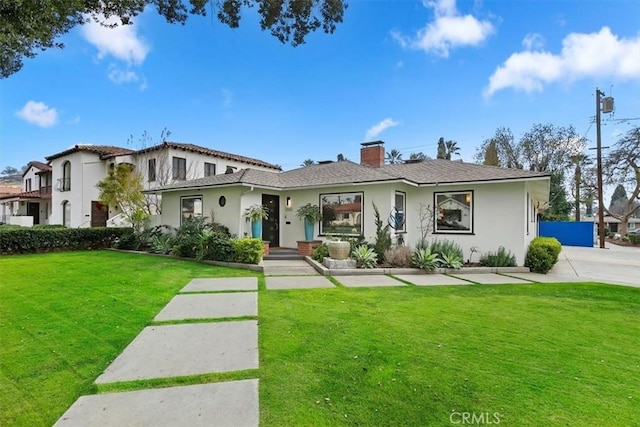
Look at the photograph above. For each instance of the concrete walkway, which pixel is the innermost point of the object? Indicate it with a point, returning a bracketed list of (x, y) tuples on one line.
[(174, 350)]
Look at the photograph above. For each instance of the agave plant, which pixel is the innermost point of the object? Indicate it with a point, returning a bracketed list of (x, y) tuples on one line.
[(426, 260), (451, 260), (365, 256)]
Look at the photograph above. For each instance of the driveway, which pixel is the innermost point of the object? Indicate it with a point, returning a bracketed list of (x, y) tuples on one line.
[(614, 264)]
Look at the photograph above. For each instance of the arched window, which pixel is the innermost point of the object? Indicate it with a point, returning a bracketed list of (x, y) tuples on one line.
[(66, 176), (66, 213)]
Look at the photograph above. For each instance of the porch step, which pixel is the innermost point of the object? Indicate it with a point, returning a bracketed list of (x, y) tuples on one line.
[(283, 254)]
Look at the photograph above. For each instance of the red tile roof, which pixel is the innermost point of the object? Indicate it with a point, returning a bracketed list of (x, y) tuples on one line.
[(204, 150), (43, 167), (105, 151)]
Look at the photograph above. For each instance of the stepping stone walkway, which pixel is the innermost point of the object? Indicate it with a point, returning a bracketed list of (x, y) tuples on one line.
[(432, 279), (174, 350)]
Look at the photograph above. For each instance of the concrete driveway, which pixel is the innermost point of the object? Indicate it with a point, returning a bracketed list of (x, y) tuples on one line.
[(614, 264)]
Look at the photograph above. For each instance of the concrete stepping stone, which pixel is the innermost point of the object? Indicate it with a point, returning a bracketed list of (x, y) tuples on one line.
[(368, 281), (432, 279), (222, 284), (489, 278), (187, 349), (546, 278), (232, 404), (209, 306), (298, 282)]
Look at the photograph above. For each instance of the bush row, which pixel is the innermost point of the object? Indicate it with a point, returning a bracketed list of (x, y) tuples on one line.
[(32, 240), (542, 254)]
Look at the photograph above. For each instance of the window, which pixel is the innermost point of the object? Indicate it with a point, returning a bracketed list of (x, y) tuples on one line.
[(454, 212), (179, 168), (66, 176), (66, 213), (152, 170), (398, 219), (209, 169), (341, 213), (27, 184), (190, 207)]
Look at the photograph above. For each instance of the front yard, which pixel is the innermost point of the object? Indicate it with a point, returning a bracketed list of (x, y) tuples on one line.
[(561, 354)]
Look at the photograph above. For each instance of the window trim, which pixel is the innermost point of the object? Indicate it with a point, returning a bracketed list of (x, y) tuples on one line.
[(404, 209), (151, 176), (66, 216), (471, 212), (175, 171), (66, 176), (209, 165), (27, 184), (193, 196), (356, 193)]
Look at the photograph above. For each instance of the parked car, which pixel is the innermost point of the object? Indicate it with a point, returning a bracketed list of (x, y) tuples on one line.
[(636, 232)]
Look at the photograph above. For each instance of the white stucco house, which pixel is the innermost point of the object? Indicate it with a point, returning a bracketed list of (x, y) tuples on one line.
[(32, 205), (475, 205), (77, 170)]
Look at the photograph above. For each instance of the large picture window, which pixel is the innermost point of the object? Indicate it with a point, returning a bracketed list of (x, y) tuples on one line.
[(341, 213), (190, 207), (454, 212)]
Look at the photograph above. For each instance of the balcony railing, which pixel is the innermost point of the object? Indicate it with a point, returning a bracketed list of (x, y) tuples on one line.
[(45, 191)]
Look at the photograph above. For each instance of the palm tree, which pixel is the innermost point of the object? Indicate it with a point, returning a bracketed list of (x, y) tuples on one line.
[(420, 156), (393, 157), (451, 148), (307, 162), (341, 158)]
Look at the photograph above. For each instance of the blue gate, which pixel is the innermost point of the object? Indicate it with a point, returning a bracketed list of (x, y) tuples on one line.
[(569, 233)]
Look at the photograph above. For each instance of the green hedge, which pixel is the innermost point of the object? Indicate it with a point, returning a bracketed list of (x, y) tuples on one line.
[(31, 240), (542, 254), (248, 251)]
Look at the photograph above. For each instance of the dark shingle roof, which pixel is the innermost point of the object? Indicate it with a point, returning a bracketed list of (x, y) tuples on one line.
[(346, 172), (204, 150), (105, 151)]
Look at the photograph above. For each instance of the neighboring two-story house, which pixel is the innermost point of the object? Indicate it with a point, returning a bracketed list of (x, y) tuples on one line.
[(75, 199), (32, 205)]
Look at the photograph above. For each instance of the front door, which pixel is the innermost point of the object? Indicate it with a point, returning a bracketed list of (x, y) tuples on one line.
[(271, 226), (98, 214), (33, 209)]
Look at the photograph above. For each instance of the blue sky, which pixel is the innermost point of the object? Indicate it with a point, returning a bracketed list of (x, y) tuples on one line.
[(406, 72)]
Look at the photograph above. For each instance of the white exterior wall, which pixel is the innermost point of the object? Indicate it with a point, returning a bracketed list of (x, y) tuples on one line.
[(86, 171), (35, 179)]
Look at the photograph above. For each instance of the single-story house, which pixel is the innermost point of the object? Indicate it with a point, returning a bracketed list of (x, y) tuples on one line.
[(474, 205)]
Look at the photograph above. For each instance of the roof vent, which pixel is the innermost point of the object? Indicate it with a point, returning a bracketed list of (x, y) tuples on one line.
[(325, 162)]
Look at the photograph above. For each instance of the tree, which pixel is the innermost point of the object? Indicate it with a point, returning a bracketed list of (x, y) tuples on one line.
[(579, 183), (451, 148), (123, 188), (507, 150), (623, 166), (547, 148), (559, 208), (341, 158), (30, 26), (619, 197), (393, 157), (9, 171), (491, 155), (419, 156), (442, 149), (307, 162)]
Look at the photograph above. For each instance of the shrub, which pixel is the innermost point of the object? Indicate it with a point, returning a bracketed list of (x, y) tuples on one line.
[(425, 259), (400, 256), (365, 256), (383, 237), (451, 259), (49, 226), (634, 238), (216, 246), (248, 251), (536, 260), (320, 252), (30, 240), (161, 244), (128, 241), (502, 258), (446, 247)]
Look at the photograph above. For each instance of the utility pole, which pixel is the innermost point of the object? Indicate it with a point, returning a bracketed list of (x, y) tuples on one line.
[(599, 170)]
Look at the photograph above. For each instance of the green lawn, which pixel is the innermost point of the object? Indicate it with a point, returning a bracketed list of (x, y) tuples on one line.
[(531, 354), (562, 354), (65, 316)]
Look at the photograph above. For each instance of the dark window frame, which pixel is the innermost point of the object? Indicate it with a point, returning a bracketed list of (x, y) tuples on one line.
[(324, 232), (436, 212), (66, 176), (207, 169), (151, 168), (179, 168), (193, 213)]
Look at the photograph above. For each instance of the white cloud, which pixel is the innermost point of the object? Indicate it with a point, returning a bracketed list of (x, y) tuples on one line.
[(121, 42), (38, 113), (533, 41), (120, 76), (449, 30), (380, 127), (594, 55)]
